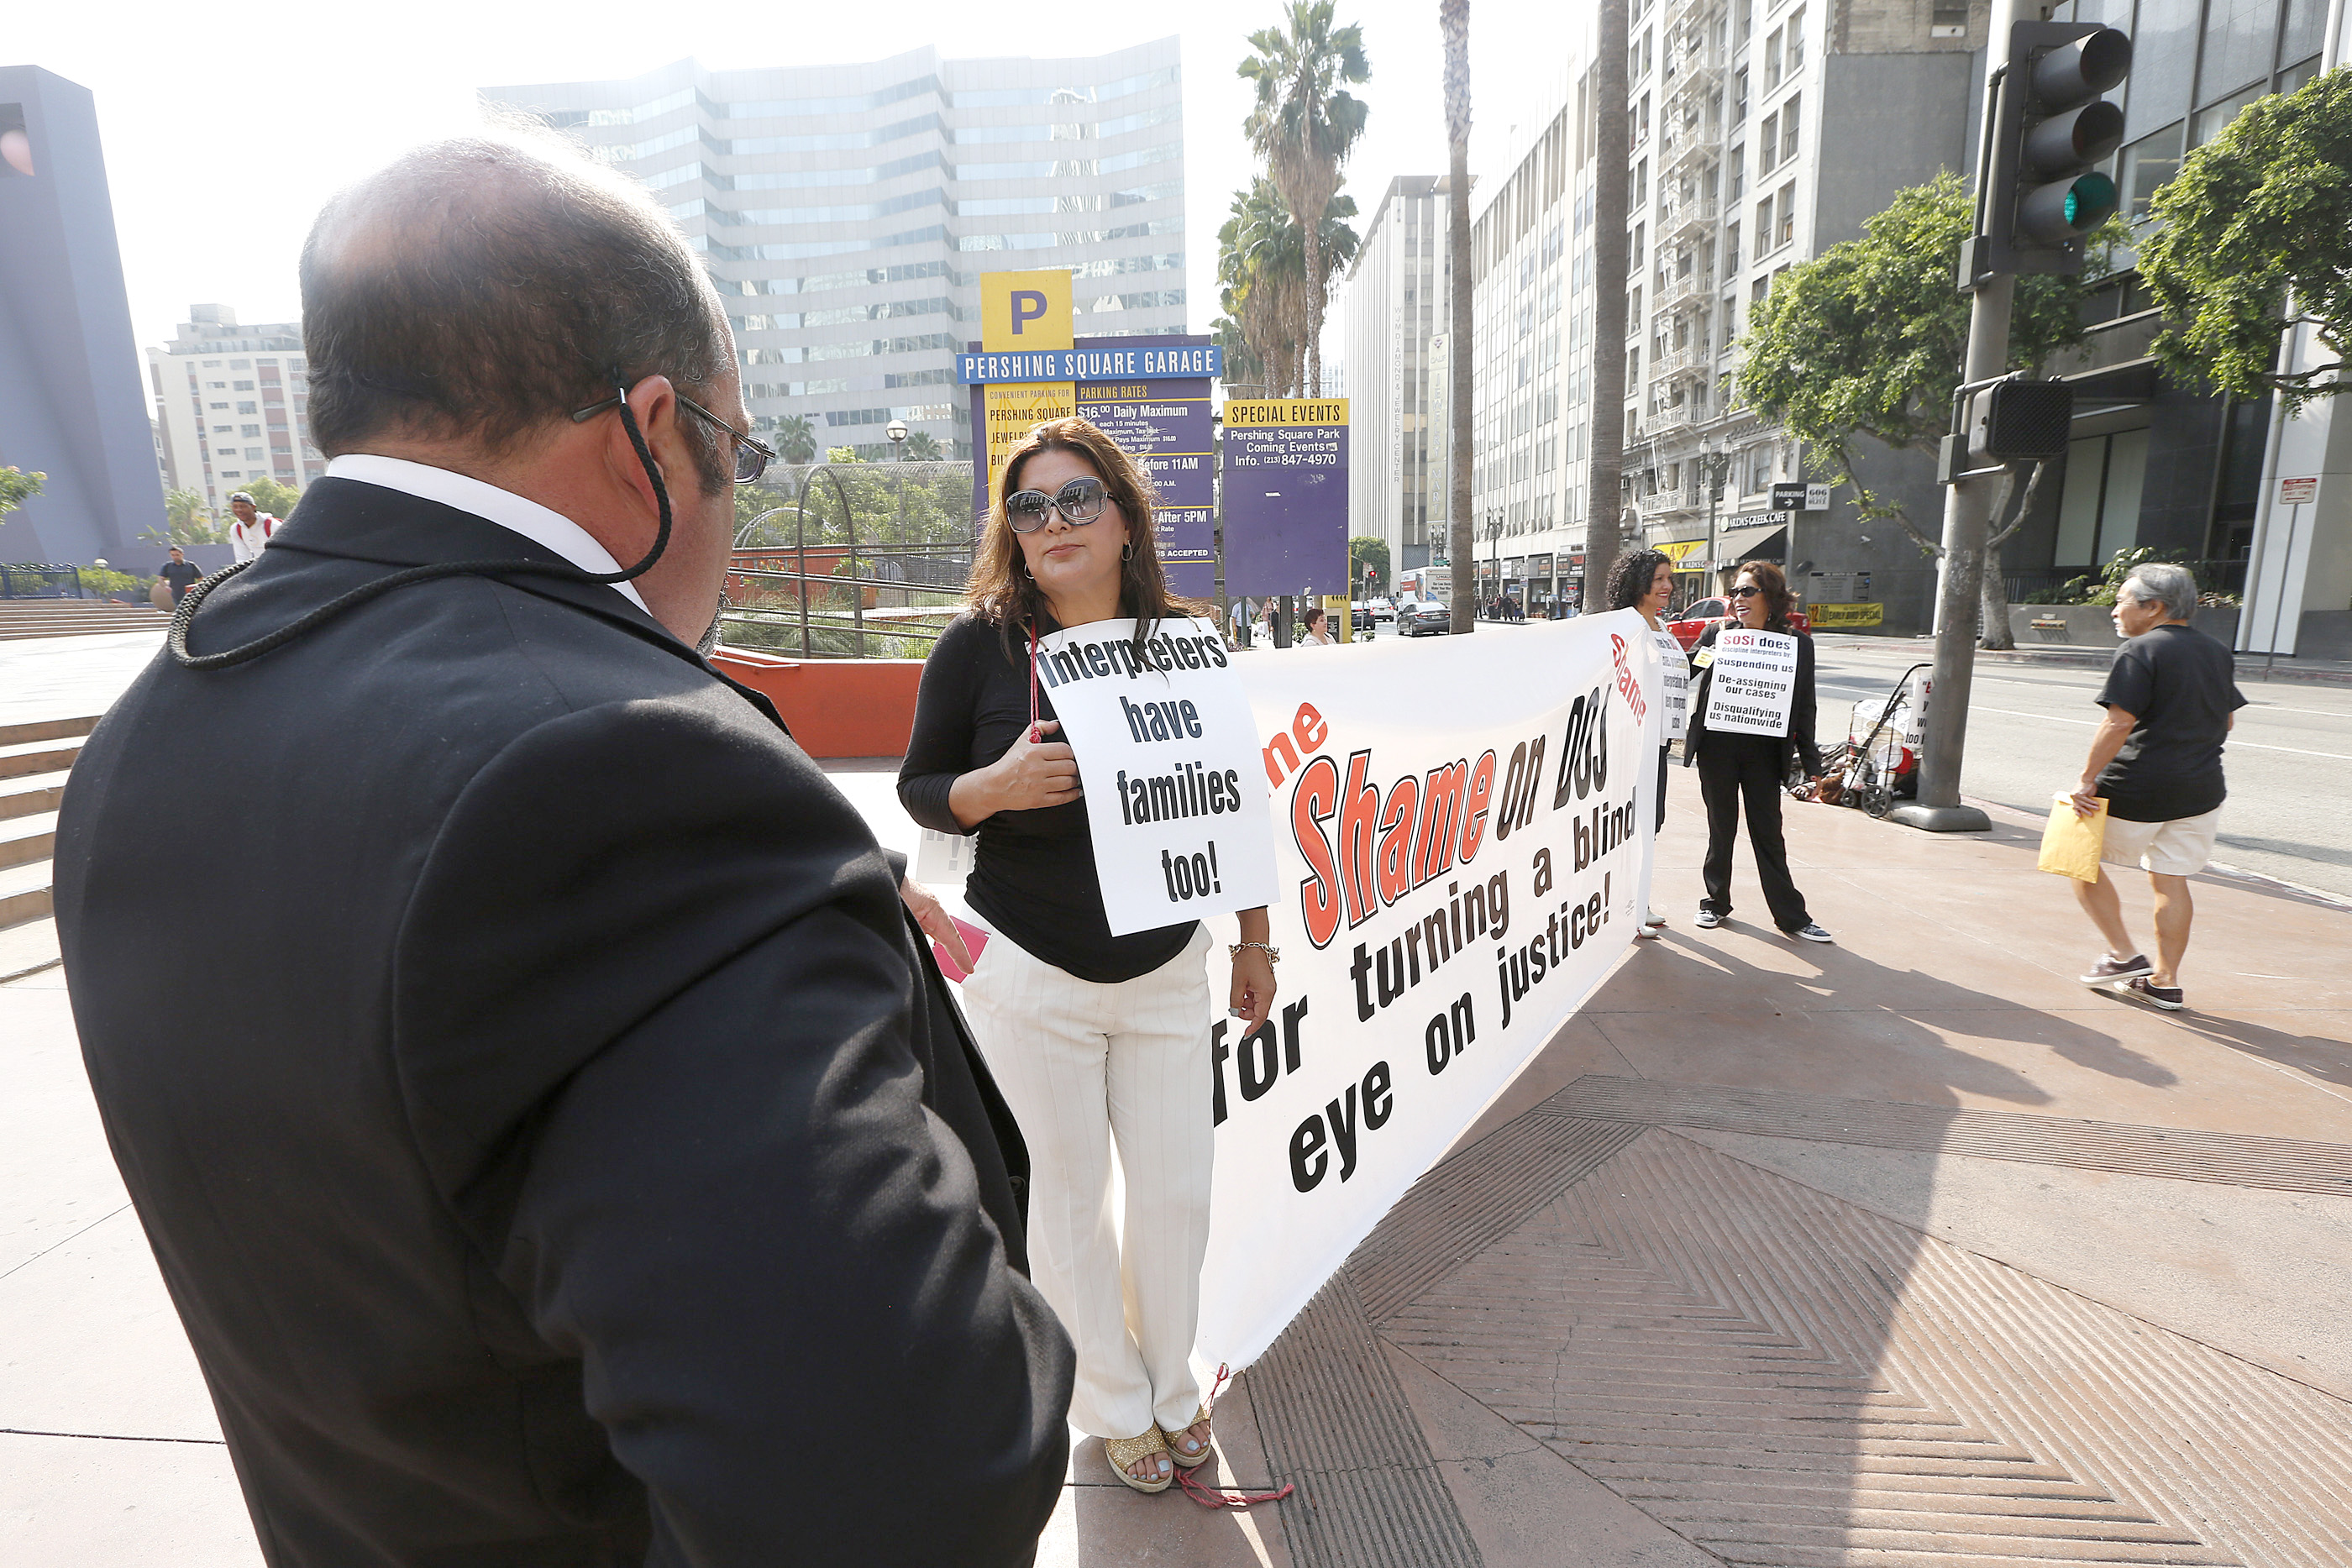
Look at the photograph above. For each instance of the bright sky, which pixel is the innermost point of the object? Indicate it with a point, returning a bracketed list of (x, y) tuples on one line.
[(228, 125)]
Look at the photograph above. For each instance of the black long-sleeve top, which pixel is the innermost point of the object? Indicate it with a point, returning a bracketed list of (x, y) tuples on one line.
[(1033, 875), (1802, 718)]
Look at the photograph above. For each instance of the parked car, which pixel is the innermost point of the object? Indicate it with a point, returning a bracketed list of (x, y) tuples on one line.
[(1696, 619), (1423, 617)]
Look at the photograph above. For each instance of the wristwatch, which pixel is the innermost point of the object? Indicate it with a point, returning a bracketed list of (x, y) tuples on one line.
[(1273, 955)]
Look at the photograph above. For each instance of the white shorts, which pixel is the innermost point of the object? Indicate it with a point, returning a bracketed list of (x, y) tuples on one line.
[(2178, 847)]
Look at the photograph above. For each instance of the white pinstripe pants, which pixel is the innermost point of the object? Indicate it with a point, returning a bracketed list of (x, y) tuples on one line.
[(1083, 1063)]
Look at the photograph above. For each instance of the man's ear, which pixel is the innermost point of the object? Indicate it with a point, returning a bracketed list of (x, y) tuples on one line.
[(654, 404)]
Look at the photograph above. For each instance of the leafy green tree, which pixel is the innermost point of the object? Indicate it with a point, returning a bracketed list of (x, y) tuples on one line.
[(1366, 550), (271, 496), (1262, 281), (1304, 124), (16, 487), (2254, 236), (186, 522), (1867, 340), (922, 446)]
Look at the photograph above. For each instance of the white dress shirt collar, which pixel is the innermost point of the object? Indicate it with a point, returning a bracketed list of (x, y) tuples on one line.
[(534, 522)]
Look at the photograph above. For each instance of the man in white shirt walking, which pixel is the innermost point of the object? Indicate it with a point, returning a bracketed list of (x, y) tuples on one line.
[(253, 528)]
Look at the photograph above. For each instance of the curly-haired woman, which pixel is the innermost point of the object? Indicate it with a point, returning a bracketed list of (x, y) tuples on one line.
[(1644, 580), (1094, 1039)]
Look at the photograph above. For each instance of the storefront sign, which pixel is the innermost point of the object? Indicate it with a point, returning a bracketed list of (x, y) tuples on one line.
[(1831, 615)]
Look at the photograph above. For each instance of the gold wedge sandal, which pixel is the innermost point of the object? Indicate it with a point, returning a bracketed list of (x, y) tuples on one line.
[(1176, 1452), (1124, 1451)]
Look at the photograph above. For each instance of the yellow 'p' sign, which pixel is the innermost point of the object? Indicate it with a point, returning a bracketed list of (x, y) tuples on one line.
[(1024, 311)]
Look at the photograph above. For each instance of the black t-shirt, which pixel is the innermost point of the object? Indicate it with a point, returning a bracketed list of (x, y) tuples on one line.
[(2180, 685), (179, 574), (1033, 874)]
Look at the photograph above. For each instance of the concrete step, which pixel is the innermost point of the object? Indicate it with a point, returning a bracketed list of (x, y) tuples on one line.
[(30, 796), (39, 757), (27, 947), (46, 730), (24, 893), (24, 840)]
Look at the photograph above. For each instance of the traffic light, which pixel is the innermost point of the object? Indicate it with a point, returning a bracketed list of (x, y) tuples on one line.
[(2039, 190)]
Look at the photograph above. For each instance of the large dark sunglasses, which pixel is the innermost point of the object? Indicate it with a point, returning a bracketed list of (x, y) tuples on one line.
[(752, 456), (1080, 503), (1745, 591)]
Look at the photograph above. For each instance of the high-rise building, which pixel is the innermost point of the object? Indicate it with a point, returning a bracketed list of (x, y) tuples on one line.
[(1392, 307), (847, 211), (69, 400), (233, 402), (1762, 133)]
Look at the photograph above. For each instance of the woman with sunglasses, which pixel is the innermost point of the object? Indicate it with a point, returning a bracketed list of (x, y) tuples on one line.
[(1095, 1040), (1734, 767)]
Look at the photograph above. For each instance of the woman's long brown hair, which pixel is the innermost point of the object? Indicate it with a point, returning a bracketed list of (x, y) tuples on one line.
[(1778, 600), (1002, 591)]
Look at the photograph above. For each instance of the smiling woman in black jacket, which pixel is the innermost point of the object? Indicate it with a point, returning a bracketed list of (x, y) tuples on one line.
[(1733, 766)]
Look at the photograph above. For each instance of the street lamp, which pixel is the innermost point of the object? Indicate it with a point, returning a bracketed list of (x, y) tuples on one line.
[(896, 430), (1713, 462), (1494, 532)]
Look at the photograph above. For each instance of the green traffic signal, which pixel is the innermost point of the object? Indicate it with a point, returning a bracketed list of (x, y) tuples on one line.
[(2066, 210)]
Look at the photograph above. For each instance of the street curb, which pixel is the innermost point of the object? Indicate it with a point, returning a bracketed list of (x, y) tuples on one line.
[(2100, 658)]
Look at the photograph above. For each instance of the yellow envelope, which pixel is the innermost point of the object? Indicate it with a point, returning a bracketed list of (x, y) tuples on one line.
[(2071, 845)]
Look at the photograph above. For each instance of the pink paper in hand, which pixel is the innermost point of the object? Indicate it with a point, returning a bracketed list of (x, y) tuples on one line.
[(974, 939)]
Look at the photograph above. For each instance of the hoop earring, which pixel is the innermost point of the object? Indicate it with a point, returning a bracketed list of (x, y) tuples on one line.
[(1127, 551)]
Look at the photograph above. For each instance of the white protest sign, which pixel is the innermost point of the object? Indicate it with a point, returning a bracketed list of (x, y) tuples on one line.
[(1464, 855), (1674, 685), (1168, 756), (1754, 684)]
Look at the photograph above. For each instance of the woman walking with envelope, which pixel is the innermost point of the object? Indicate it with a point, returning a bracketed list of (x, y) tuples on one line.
[(1738, 765), (1094, 1039)]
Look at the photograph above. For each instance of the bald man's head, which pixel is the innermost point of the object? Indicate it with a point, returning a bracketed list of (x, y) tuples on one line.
[(482, 287)]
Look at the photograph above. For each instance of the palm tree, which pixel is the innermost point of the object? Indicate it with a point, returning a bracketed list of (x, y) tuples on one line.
[(1262, 276), (1305, 124), (795, 439), (1453, 25), (922, 446)]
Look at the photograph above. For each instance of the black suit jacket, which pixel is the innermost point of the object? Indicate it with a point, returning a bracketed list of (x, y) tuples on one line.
[(554, 1135), (1799, 744)]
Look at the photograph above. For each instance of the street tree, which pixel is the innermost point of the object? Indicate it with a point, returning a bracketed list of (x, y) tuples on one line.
[(1453, 27), (1604, 489), (1367, 550), (1867, 339), (1261, 283), (271, 496), (1304, 124), (2254, 236), (17, 487), (922, 446), (186, 522)]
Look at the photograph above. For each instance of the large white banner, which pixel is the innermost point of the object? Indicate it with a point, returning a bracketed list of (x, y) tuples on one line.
[(1169, 758), (1462, 854)]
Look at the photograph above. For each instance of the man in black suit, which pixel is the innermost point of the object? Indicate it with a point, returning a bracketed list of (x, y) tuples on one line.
[(550, 1125)]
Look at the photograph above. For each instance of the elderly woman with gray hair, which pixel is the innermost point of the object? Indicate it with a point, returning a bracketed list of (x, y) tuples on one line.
[(2171, 698)]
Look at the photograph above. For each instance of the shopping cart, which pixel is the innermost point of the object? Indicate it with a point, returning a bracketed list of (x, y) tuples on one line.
[(1877, 764)]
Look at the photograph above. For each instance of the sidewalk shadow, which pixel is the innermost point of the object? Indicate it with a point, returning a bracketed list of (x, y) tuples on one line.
[(1913, 996), (2329, 1061)]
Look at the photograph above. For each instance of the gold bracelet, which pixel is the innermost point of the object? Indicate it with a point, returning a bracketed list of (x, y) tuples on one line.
[(1273, 955)]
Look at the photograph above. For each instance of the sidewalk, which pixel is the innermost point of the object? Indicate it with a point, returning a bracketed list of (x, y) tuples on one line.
[(2251, 666), (1909, 1250)]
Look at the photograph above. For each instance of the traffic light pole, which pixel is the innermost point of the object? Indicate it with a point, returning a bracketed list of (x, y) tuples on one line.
[(1968, 516)]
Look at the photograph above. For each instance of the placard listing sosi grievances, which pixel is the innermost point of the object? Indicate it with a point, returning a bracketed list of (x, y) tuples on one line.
[(1753, 684), (1167, 755)]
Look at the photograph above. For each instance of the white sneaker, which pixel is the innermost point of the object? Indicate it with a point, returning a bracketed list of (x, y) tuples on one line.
[(1708, 920), (1812, 932)]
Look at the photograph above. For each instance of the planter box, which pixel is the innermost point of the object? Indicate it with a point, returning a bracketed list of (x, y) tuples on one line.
[(2088, 626)]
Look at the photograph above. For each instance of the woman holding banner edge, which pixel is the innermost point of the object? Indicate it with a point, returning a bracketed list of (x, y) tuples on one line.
[(1736, 767), (1644, 580), (1092, 1038)]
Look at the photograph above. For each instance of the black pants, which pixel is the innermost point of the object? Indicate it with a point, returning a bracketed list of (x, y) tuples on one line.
[(1661, 784), (1731, 767)]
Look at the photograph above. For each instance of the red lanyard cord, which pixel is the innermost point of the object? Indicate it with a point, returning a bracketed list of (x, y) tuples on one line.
[(1033, 736), (1217, 1496)]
